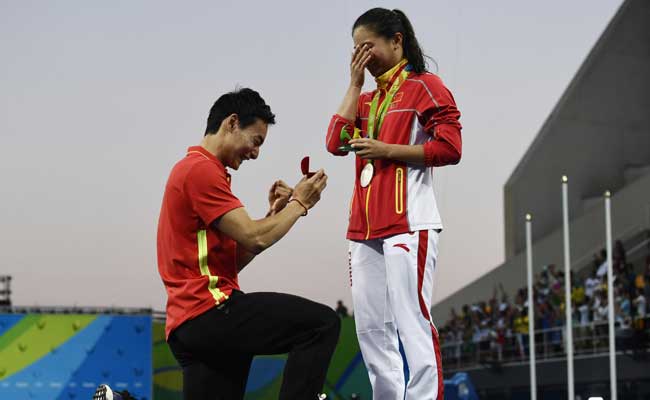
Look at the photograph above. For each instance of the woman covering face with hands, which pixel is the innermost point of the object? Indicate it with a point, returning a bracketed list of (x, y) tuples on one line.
[(398, 133)]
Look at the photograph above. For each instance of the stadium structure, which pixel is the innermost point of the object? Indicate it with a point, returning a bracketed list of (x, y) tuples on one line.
[(598, 135)]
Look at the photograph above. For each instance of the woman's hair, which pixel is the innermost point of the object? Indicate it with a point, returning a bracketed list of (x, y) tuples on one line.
[(387, 23)]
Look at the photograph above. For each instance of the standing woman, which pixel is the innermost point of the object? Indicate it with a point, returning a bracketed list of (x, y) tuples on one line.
[(399, 131)]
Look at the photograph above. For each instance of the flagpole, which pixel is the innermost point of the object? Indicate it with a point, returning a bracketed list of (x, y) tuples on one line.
[(610, 295), (567, 289), (531, 308)]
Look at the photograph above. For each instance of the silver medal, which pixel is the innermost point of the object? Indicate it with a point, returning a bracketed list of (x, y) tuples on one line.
[(366, 175)]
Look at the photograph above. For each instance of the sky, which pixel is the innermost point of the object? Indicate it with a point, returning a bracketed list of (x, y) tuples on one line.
[(98, 100)]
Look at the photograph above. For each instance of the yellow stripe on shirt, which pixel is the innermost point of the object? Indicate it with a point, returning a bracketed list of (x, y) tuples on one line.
[(217, 294)]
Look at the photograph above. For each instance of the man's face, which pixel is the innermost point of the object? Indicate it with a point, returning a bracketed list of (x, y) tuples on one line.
[(245, 143)]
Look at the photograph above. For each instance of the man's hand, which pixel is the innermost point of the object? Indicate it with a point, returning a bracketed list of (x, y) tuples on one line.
[(370, 149), (279, 196), (257, 236), (308, 190)]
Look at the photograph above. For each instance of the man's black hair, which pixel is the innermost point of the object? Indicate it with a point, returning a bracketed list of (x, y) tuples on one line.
[(246, 103)]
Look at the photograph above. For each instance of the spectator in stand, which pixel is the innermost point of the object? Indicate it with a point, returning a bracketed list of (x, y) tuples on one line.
[(476, 333), (484, 309), (551, 275), (597, 316), (556, 295), (557, 321), (544, 287), (639, 281), (341, 309), (520, 299), (466, 321), (577, 293), (623, 305), (446, 341), (493, 310), (584, 314), (468, 338), (453, 347), (509, 322), (584, 311), (600, 314), (496, 325), (504, 297), (625, 324), (591, 283), (623, 332), (465, 312), (497, 340), (584, 321), (601, 273), (502, 329), (521, 332), (459, 333), (640, 306), (618, 255), (628, 277), (485, 337), (546, 319), (646, 276)]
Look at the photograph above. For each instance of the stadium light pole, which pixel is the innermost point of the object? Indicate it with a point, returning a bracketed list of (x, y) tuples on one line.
[(531, 306), (610, 295), (567, 289)]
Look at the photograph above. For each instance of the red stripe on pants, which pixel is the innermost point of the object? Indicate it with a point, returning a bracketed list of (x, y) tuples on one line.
[(422, 262), (436, 349)]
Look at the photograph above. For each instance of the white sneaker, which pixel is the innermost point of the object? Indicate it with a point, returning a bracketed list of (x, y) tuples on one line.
[(104, 392)]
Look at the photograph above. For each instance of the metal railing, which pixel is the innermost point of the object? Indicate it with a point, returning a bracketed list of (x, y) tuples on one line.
[(588, 339)]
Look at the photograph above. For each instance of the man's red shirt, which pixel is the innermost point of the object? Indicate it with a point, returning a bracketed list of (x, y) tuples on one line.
[(197, 264)]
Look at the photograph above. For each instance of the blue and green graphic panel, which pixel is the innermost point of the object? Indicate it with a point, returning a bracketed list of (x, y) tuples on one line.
[(54, 356)]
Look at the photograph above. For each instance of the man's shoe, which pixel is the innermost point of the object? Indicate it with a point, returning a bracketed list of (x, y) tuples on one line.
[(104, 392)]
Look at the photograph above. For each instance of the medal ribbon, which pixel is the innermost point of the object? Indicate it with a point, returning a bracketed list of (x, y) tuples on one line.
[(378, 111)]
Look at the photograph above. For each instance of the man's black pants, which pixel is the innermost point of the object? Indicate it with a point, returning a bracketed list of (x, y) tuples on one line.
[(216, 348)]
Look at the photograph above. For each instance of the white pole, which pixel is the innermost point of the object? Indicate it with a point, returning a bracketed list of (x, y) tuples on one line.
[(567, 289), (531, 307), (610, 295)]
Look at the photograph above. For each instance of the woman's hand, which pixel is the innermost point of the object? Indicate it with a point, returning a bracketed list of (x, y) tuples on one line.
[(371, 149), (360, 58)]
